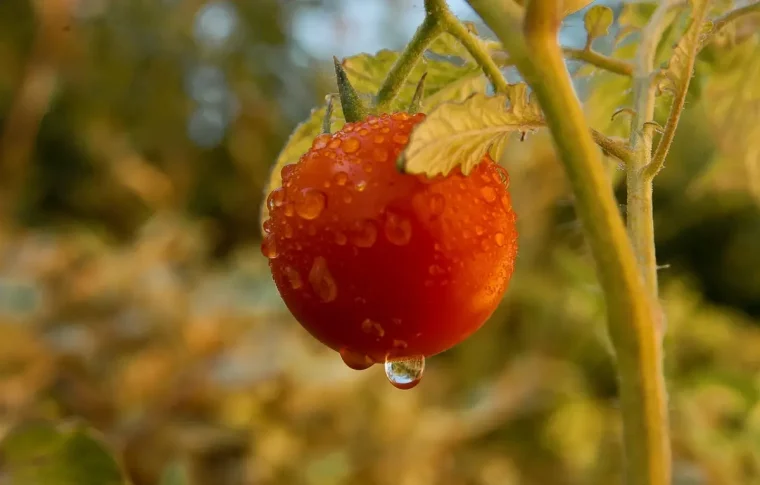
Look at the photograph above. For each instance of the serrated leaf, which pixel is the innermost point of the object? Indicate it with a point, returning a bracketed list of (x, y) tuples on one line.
[(44, 454), (597, 22), (446, 45), (679, 70), (460, 134)]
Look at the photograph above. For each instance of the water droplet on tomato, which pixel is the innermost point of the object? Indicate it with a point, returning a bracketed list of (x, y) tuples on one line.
[(371, 326), (435, 270), (288, 231), (335, 143), (366, 234), (400, 139), (500, 238), (347, 198), (355, 360), (293, 277), (479, 230), (269, 247), (287, 171), (289, 210), (340, 239), (268, 226), (437, 204), (378, 139), (276, 198), (364, 132), (379, 154), (341, 178), (322, 281), (400, 116), (361, 185), (320, 141), (488, 193), (405, 373), (350, 145), (311, 204), (367, 167), (398, 229), (505, 203)]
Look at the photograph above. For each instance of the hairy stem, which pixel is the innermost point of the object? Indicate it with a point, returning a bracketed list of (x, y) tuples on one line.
[(630, 309), (427, 32), (734, 15), (640, 215)]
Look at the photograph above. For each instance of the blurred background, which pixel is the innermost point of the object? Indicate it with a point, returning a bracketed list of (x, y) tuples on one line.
[(135, 141)]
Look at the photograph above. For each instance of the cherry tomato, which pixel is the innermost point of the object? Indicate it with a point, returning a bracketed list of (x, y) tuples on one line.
[(381, 265)]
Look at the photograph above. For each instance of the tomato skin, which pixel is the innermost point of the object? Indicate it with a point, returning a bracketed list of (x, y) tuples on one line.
[(379, 264)]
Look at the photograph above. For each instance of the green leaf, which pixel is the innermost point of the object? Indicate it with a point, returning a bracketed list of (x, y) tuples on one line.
[(597, 22), (175, 474), (39, 453), (367, 72), (460, 134), (675, 77)]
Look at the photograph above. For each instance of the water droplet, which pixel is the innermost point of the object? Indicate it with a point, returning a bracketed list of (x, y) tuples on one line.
[(276, 198), (269, 247), (500, 238), (311, 204), (370, 326), (484, 177), (379, 155), (347, 198), (400, 116), (361, 185), (289, 210), (378, 139), (366, 234), (268, 226), (287, 171), (340, 239), (320, 141), (335, 143), (322, 281), (400, 344), (398, 229), (479, 230), (364, 132), (505, 203), (350, 145), (437, 204), (355, 360), (293, 277), (401, 139), (435, 270), (405, 373), (288, 231), (372, 119), (488, 193), (341, 178), (367, 167), (385, 129)]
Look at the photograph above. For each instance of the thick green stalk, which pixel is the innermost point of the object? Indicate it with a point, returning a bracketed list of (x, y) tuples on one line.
[(630, 308)]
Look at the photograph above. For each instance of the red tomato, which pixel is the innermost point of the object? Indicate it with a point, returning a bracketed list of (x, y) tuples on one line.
[(380, 265)]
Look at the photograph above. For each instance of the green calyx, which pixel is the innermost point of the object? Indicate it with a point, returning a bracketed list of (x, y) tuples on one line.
[(353, 107)]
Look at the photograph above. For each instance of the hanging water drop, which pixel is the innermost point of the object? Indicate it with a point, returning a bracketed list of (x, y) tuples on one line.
[(405, 373), (269, 247), (311, 204), (355, 360)]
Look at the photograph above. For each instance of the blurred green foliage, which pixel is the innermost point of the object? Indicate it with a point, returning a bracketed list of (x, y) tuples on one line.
[(133, 294)]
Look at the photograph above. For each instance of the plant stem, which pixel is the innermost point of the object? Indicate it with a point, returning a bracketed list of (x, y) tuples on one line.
[(612, 147), (692, 44), (601, 61), (476, 48), (427, 32), (639, 187), (734, 15), (630, 309)]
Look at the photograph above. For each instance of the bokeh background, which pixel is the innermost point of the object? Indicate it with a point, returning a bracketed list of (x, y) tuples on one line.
[(135, 141)]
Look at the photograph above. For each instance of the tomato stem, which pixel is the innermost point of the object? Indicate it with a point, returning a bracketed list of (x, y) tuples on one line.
[(352, 105), (530, 37), (416, 104)]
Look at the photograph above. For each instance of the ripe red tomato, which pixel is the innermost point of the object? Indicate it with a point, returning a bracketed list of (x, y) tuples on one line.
[(380, 265)]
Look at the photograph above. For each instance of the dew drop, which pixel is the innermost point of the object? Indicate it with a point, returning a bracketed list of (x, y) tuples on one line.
[(355, 360), (335, 143), (505, 203), (340, 239), (322, 281), (479, 230), (288, 231), (269, 247), (287, 171), (293, 277), (350, 145), (398, 229), (488, 193), (400, 139), (378, 139), (400, 116), (405, 373), (364, 132), (276, 198), (267, 226), (289, 210), (500, 238), (361, 185), (311, 204), (367, 167), (437, 204), (341, 178), (347, 198), (379, 155), (370, 326), (366, 234), (320, 141)]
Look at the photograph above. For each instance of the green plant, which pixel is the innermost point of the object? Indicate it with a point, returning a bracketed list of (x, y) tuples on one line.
[(460, 123)]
